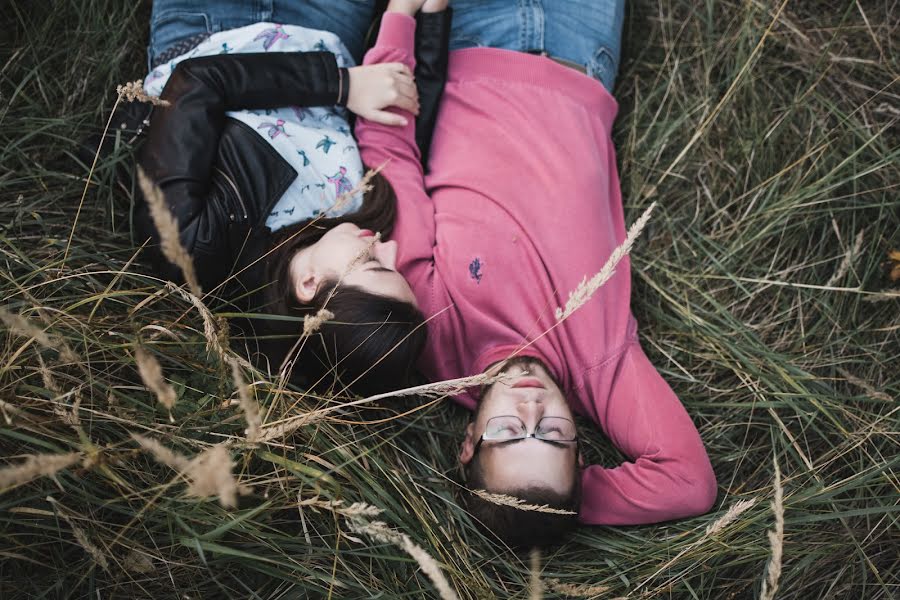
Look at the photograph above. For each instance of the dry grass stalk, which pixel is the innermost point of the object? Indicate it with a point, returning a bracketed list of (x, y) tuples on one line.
[(736, 510), (852, 253), (380, 532), (312, 323), (776, 541), (438, 389), (247, 402), (580, 295), (34, 466), (535, 587), (575, 589), (364, 254), (81, 537), (208, 473), (519, 504), (167, 227), (22, 326), (9, 411), (210, 331), (59, 408), (152, 374), (134, 90)]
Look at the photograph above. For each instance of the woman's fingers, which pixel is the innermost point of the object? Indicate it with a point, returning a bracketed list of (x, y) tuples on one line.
[(387, 118)]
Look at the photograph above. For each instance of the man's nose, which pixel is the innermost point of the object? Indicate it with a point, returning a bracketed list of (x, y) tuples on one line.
[(531, 409), (386, 253)]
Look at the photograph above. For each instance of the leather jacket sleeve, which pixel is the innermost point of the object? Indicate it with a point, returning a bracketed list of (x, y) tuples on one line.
[(183, 146), (432, 52)]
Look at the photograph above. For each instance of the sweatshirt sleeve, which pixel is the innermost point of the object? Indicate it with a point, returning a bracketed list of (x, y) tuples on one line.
[(669, 475), (394, 148)]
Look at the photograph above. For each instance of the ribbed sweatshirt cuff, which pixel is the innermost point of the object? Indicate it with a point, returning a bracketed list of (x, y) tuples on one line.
[(397, 31)]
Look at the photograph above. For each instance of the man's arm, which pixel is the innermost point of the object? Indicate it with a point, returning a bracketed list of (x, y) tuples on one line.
[(394, 148), (670, 475)]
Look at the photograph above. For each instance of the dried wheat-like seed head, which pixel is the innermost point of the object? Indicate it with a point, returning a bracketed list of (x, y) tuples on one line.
[(580, 295), (169, 235), (519, 504), (81, 537), (380, 532), (152, 374), (247, 402), (34, 466), (134, 90), (730, 515), (577, 590), (776, 541), (20, 325), (208, 473), (138, 562), (311, 323)]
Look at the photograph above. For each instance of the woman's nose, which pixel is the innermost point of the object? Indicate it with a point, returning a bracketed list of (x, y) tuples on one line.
[(386, 253)]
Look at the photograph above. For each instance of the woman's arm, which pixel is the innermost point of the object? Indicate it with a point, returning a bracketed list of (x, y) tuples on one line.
[(395, 149), (215, 210), (670, 475), (182, 147), (432, 53)]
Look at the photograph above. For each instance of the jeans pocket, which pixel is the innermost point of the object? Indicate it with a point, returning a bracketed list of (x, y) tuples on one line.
[(168, 29), (603, 67)]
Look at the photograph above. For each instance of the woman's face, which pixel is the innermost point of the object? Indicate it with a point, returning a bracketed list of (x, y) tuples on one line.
[(351, 255)]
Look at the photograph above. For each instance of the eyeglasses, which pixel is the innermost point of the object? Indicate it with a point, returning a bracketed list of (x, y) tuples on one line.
[(509, 428)]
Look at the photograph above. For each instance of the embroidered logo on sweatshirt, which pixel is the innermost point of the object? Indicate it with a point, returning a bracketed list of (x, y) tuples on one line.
[(475, 269)]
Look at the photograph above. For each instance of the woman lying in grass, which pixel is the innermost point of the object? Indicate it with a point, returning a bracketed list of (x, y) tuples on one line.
[(520, 205), (256, 160)]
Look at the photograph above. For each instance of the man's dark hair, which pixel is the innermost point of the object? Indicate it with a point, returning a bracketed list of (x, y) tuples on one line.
[(522, 529)]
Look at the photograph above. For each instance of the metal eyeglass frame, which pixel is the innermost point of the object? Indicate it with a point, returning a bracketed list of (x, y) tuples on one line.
[(527, 435)]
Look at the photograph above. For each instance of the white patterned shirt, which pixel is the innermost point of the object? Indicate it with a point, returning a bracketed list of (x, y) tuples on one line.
[(315, 141)]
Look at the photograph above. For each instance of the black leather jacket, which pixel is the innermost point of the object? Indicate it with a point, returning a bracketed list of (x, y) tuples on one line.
[(220, 177)]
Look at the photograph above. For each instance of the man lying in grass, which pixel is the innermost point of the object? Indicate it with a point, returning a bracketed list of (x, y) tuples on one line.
[(521, 203)]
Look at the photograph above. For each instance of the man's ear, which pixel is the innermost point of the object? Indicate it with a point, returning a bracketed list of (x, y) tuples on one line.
[(306, 283), (468, 445), (580, 460)]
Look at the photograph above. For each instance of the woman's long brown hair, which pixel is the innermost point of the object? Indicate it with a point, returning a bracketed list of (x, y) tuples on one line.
[(372, 343)]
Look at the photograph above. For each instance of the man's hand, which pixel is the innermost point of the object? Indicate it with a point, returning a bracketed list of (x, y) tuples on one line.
[(432, 6), (376, 87), (406, 7)]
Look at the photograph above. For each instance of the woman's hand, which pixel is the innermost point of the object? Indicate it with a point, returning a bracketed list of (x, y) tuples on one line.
[(407, 7), (376, 87)]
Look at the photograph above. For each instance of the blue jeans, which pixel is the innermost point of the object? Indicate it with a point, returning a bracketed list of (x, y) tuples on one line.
[(586, 32), (172, 21)]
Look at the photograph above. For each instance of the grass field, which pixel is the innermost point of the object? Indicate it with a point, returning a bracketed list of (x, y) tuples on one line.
[(768, 134)]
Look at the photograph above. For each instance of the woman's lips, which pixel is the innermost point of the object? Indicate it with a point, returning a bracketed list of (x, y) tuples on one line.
[(366, 233), (528, 382)]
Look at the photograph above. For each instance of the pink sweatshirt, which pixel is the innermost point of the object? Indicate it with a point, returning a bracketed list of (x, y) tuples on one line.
[(521, 204)]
